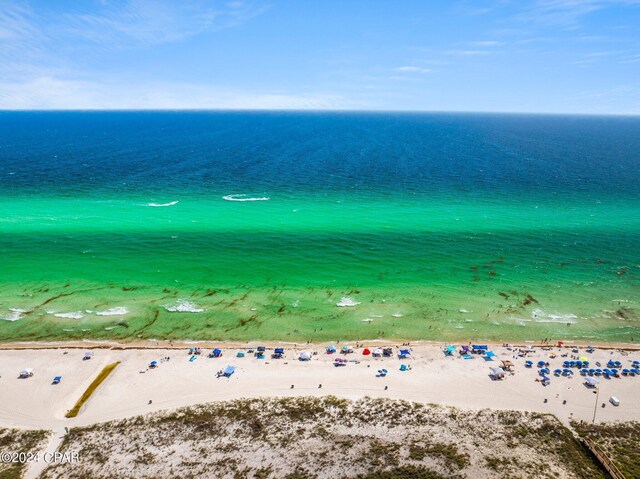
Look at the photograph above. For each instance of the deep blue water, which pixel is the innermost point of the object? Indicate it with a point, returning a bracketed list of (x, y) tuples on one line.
[(390, 153)]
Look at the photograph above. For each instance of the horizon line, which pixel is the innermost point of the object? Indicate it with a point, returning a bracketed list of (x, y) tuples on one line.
[(311, 110)]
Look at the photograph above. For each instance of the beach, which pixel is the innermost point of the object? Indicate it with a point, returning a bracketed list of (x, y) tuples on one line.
[(155, 379), (433, 378)]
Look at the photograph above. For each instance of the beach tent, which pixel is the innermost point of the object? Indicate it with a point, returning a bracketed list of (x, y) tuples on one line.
[(57, 380), (277, 353), (305, 356), (261, 349), (228, 371), (88, 355), (489, 356), (366, 352), (216, 353), (153, 364), (591, 381), (387, 352), (497, 373), (377, 352), (404, 353), (331, 349), (478, 348), (403, 367), (26, 373), (240, 354), (346, 349), (449, 350)]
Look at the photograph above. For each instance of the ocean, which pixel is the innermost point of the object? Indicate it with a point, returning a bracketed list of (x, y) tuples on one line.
[(317, 226)]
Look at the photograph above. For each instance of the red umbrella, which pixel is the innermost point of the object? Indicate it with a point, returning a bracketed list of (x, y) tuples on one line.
[(366, 352)]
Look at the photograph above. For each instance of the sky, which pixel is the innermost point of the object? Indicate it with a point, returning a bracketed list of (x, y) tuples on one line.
[(539, 56)]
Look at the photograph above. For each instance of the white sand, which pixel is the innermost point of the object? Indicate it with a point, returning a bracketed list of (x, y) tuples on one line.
[(35, 403)]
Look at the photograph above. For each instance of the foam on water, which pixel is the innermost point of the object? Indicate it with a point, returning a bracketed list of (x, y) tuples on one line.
[(245, 198), (72, 315), (14, 314), (540, 316), (160, 205), (183, 306), (347, 302), (117, 311), (397, 315)]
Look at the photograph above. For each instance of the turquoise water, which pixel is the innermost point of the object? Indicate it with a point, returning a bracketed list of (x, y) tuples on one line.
[(440, 226)]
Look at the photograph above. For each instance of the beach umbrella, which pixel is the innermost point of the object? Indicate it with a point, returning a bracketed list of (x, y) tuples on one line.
[(345, 348), (584, 358), (305, 356), (331, 349), (366, 352)]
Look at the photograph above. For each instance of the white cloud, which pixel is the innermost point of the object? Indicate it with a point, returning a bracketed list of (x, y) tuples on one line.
[(50, 93), (566, 13), (147, 22), (412, 69), (487, 43), (470, 53)]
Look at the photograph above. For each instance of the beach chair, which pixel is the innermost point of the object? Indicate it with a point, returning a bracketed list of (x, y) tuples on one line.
[(528, 364), (57, 380)]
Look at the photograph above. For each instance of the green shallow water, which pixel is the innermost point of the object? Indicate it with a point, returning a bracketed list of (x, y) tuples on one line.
[(441, 267)]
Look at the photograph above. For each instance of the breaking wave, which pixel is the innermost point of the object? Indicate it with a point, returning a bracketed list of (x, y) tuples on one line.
[(245, 198), (117, 311), (347, 302), (183, 306), (159, 205), (73, 315)]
